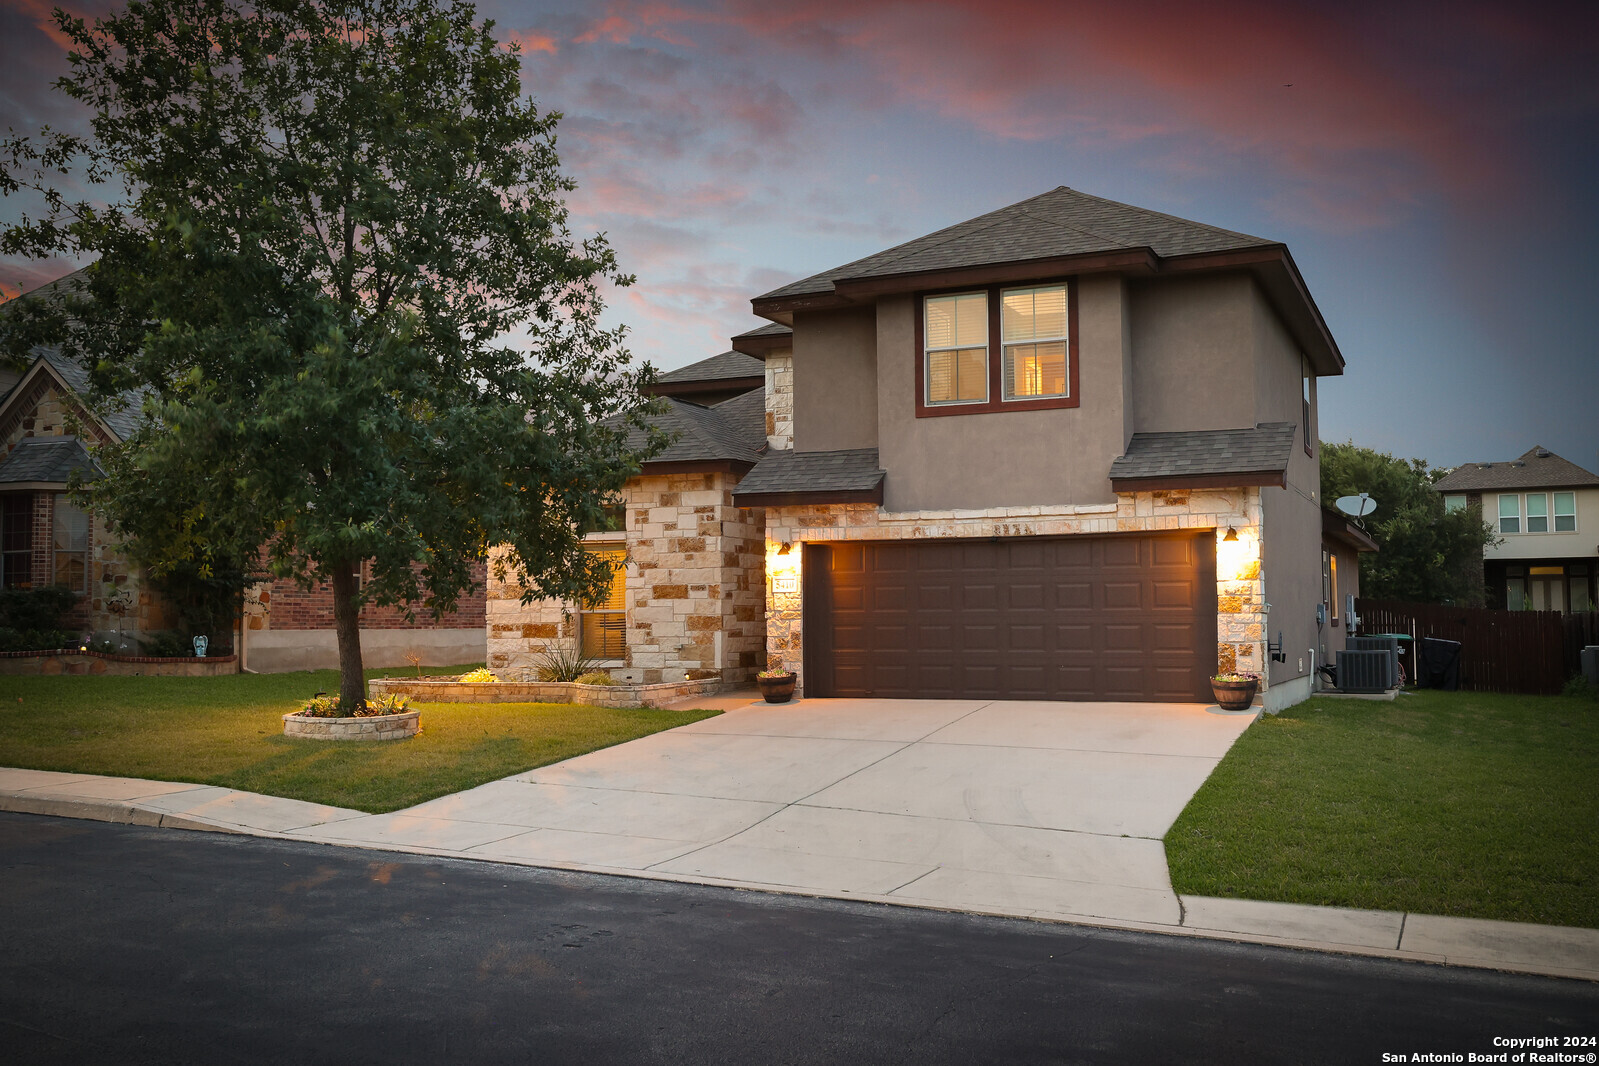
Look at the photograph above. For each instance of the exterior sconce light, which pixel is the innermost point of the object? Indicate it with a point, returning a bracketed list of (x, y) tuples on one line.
[(785, 549), (1232, 534)]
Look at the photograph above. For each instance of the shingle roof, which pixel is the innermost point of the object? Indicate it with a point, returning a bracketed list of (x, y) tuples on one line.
[(1061, 222), (1539, 468), (745, 414), (46, 459), (851, 471), (705, 434), (771, 329), (724, 367), (1207, 452)]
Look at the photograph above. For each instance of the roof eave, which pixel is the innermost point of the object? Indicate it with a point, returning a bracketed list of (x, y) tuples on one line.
[(785, 499), (1230, 480), (691, 388)]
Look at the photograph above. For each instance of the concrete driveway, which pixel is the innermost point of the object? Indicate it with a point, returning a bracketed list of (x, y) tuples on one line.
[(1046, 809)]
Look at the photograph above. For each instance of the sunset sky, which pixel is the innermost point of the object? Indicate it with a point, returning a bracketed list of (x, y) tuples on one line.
[(1432, 167)]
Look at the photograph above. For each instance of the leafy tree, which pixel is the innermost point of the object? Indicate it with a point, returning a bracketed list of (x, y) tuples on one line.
[(1426, 556), (319, 221)]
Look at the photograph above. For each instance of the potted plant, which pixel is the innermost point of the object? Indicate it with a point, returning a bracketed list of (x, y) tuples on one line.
[(1235, 692), (777, 684)]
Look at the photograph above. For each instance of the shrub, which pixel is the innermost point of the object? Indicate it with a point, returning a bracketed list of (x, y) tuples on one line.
[(596, 677), (1579, 687), (779, 671), (37, 639), (564, 664), (37, 609), (324, 706), (481, 674), (168, 644)]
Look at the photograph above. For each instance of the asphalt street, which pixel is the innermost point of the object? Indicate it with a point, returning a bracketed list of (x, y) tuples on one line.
[(124, 944)]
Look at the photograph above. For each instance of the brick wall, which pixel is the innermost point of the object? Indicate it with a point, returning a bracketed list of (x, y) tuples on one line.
[(281, 604)]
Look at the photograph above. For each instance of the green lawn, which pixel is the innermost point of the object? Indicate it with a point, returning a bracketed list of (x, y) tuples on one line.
[(1472, 804), (229, 731)]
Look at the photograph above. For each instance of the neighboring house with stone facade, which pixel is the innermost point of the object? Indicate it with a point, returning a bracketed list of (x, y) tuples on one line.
[(1065, 450), (47, 432)]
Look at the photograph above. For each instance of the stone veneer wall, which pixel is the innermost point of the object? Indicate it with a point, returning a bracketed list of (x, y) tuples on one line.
[(694, 600), (780, 399), (1240, 625)]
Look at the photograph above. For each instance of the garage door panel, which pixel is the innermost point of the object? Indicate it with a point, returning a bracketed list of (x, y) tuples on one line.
[(1127, 617)]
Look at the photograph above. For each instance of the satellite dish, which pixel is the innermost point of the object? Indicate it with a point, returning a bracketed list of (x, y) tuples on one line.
[(1356, 506)]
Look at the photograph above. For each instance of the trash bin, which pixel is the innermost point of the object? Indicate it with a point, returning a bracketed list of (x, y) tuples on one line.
[(1439, 664)]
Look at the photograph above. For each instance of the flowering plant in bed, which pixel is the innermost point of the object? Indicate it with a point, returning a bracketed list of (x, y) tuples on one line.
[(321, 706), (479, 676)]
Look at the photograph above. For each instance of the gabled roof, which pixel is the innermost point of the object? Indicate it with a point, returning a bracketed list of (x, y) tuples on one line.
[(724, 367), (46, 461), (1538, 468), (1206, 458), (785, 477), (763, 340), (731, 433), (121, 421), (1060, 233), (1061, 222)]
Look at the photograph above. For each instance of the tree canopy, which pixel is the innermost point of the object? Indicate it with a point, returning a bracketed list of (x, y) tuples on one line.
[(317, 227), (1427, 556)]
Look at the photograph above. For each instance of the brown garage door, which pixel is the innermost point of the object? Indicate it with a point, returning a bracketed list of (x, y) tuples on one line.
[(1122, 617)]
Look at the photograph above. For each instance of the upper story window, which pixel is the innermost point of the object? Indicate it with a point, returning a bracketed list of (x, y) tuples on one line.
[(1510, 514), (998, 349), (1454, 503), (1537, 512), (1304, 407), (1566, 512), (957, 348), (1033, 322)]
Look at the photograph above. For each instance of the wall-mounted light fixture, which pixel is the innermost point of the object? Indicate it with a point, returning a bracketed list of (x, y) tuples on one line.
[(786, 548), (1232, 534)]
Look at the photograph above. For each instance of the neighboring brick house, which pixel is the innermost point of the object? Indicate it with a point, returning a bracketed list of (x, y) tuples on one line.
[(1545, 511), (1065, 450), (45, 539)]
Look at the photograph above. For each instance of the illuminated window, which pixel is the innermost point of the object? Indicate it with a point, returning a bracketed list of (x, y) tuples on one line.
[(602, 623), (1537, 512), (1510, 514), (957, 348), (1033, 326), (71, 542), (1566, 512), (16, 540)]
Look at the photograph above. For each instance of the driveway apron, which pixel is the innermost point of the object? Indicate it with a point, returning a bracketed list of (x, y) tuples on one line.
[(1037, 809)]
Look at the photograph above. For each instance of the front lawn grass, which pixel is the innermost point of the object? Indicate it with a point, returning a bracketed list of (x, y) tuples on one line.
[(229, 731), (1472, 804)]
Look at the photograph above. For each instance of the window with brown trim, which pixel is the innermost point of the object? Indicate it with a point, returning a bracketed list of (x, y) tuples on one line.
[(602, 623), (1004, 348)]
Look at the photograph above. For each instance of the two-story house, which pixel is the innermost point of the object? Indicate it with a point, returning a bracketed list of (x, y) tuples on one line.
[(1064, 450), (1545, 510)]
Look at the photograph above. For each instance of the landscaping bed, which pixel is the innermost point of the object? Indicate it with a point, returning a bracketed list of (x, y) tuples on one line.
[(228, 731), (1477, 805), (620, 694)]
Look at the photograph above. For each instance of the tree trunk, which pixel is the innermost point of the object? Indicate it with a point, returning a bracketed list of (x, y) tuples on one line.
[(347, 624)]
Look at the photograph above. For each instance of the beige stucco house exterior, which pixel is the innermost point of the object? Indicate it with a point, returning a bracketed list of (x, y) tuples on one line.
[(1545, 511), (1064, 450)]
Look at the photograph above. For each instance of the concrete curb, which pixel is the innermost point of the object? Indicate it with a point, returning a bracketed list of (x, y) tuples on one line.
[(1548, 951)]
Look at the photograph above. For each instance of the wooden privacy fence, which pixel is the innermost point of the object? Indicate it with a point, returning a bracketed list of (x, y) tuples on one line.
[(1500, 651)]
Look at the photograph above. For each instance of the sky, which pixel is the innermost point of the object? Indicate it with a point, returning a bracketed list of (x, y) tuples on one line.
[(1432, 167)]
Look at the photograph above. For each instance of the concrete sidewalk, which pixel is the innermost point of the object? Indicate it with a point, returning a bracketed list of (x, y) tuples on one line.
[(1052, 812)]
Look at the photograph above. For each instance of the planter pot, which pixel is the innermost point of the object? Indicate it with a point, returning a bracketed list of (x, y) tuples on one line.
[(377, 727), (1234, 695), (777, 689)]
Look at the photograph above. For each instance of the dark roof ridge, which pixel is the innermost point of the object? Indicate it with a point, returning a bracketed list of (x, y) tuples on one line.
[(1162, 214)]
